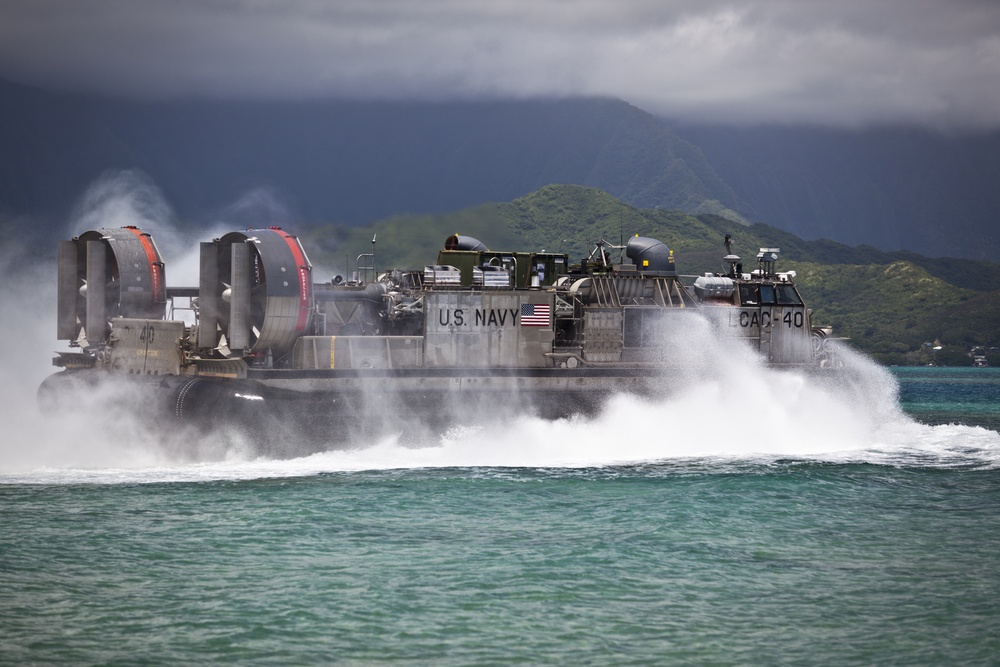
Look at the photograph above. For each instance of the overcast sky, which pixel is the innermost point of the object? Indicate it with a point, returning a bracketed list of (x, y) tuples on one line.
[(843, 62)]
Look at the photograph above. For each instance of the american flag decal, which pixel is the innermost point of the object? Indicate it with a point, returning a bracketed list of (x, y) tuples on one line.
[(535, 314)]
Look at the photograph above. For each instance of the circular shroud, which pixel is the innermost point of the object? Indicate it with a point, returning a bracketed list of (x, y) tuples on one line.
[(280, 288), (135, 285)]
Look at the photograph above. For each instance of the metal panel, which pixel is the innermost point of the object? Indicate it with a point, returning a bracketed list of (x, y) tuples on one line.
[(67, 327), (208, 297), (781, 333), (791, 339), (358, 352), (97, 317), (602, 335), (145, 347), (476, 329), (239, 300), (279, 324)]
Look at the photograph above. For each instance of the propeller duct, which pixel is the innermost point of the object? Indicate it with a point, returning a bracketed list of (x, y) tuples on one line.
[(256, 288), (108, 273)]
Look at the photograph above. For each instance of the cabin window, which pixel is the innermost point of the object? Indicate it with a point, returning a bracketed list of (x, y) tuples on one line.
[(749, 296), (767, 294), (787, 296)]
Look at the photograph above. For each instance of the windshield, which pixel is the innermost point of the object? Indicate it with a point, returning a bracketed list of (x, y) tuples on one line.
[(787, 296)]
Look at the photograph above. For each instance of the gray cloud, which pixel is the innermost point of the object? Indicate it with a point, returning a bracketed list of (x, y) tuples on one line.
[(842, 62)]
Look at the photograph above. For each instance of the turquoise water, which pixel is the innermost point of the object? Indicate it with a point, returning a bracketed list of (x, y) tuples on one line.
[(949, 395), (751, 517), (660, 564)]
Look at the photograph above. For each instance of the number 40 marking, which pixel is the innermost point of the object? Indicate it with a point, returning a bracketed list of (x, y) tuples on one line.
[(793, 319)]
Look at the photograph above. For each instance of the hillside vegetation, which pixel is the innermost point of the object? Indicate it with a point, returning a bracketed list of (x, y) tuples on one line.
[(890, 304)]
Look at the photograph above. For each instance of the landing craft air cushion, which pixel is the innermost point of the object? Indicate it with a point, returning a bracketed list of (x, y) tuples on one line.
[(479, 333)]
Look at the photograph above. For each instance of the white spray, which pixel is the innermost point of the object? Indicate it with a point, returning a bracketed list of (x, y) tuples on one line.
[(721, 402)]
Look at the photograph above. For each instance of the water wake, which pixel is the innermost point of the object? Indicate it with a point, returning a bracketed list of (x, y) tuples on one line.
[(723, 405)]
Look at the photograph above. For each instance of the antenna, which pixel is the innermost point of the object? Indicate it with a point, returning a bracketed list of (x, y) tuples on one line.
[(735, 266)]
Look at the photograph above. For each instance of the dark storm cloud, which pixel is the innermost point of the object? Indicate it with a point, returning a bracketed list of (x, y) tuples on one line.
[(838, 61)]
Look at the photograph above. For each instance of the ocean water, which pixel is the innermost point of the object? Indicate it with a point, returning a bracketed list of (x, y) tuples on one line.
[(746, 517), (951, 395)]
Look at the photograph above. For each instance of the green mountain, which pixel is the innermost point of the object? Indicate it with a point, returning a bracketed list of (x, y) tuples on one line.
[(889, 304)]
